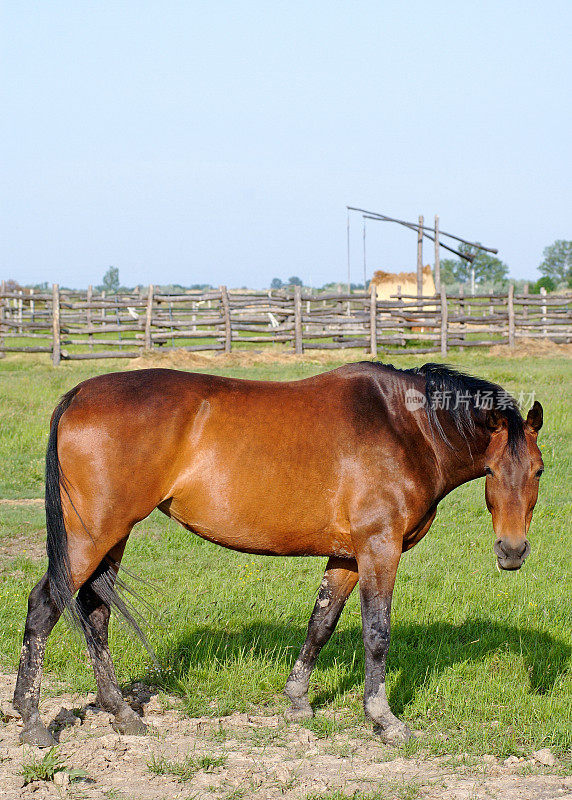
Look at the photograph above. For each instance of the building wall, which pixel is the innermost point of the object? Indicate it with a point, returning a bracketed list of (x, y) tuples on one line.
[(386, 283)]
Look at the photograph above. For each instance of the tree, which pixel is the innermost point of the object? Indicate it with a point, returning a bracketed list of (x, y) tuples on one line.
[(276, 283), (295, 281), (488, 268), (12, 286), (557, 262), (111, 281), (544, 283), (449, 268)]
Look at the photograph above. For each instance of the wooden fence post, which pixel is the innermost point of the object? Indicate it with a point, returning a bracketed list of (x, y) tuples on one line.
[(543, 293), (89, 299), (437, 257), (20, 310), (443, 321), (462, 326), (148, 319), (56, 341), (525, 307), (400, 306), (2, 290), (226, 315), (420, 258), (510, 303), (373, 319), (298, 345)]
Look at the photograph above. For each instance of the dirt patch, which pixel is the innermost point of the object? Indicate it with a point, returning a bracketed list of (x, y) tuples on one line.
[(30, 545), (180, 359), (242, 755), (531, 347), (34, 501)]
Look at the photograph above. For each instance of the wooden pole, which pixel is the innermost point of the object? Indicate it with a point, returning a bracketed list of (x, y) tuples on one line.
[(348, 247), (437, 257), (543, 295), (400, 304), (462, 312), (510, 303), (89, 299), (384, 218), (56, 341), (364, 261), (525, 307), (148, 339), (20, 310), (420, 258), (226, 315), (298, 345), (443, 321), (372, 319), (2, 306)]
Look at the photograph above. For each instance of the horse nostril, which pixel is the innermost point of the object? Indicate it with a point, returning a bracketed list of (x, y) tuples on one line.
[(499, 549), (525, 549)]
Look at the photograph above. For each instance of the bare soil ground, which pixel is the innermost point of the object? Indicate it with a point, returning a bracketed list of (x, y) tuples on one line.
[(179, 359), (259, 757), (530, 347)]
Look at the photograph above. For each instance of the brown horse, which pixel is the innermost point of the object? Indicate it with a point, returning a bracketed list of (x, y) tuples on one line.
[(350, 464)]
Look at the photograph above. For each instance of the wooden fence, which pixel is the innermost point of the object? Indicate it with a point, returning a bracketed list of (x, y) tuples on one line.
[(82, 325)]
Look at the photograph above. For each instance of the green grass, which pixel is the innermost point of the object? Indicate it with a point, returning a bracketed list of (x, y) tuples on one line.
[(41, 769), (36, 768), (187, 768), (393, 790), (480, 661)]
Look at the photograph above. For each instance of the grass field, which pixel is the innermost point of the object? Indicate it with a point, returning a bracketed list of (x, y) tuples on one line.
[(480, 661)]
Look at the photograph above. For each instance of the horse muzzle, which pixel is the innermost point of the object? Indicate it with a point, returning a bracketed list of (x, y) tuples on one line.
[(510, 557)]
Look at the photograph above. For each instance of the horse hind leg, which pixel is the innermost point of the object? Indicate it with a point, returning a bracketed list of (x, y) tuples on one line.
[(339, 580), (43, 614), (95, 612)]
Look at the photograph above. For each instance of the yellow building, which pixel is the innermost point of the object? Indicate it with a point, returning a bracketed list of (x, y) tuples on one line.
[(386, 283)]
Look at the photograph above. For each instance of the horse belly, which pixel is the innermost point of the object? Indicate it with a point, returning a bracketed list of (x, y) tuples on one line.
[(253, 521)]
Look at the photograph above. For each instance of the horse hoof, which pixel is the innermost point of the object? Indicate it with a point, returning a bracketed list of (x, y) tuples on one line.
[(394, 735), (129, 725), (297, 713), (38, 736)]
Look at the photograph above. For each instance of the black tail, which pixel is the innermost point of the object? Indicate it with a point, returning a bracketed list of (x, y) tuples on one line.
[(104, 582), (57, 541)]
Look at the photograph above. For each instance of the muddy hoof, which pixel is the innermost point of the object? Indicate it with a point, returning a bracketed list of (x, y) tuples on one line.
[(297, 713), (129, 725), (37, 735), (393, 734)]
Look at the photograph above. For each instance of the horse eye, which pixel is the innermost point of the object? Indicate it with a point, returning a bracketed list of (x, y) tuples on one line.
[(488, 471), (539, 473)]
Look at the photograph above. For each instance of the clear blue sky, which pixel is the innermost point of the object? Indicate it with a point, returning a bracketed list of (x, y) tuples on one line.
[(220, 142)]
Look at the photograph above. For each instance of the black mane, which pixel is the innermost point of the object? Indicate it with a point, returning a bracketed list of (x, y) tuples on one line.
[(478, 395)]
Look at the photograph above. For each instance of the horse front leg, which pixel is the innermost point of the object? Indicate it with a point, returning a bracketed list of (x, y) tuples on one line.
[(42, 616), (337, 584), (378, 561)]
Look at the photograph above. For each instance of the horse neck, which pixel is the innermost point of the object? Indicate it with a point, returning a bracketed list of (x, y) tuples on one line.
[(460, 458)]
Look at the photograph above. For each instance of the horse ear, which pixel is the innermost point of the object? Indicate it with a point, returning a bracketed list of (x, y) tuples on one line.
[(535, 417), (494, 420)]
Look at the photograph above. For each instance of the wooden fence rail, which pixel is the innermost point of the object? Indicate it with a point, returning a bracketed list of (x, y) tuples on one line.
[(83, 325)]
